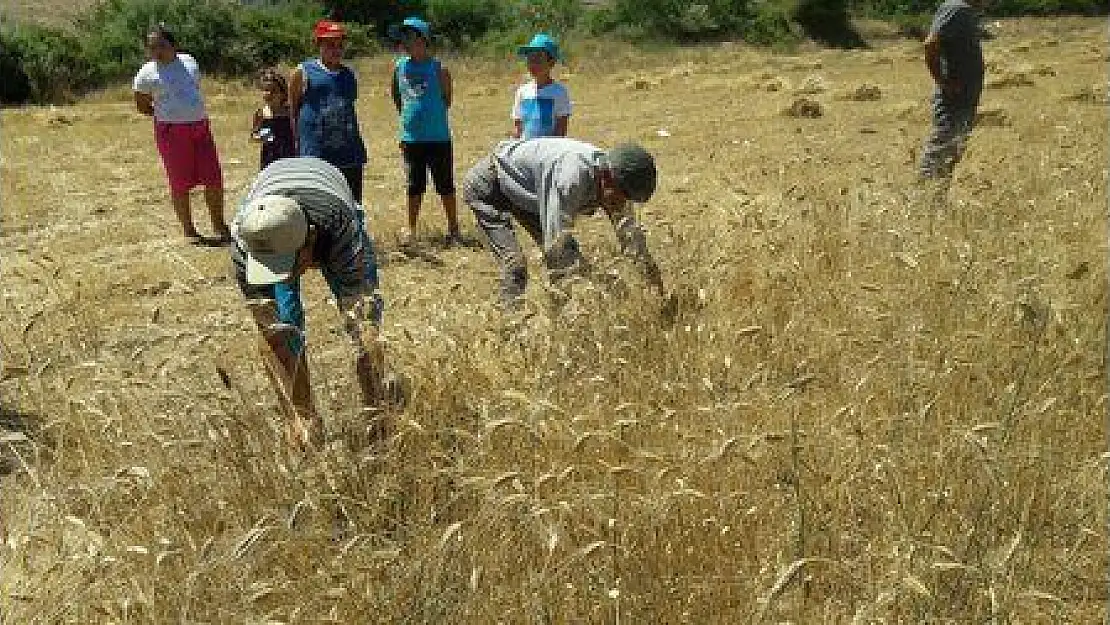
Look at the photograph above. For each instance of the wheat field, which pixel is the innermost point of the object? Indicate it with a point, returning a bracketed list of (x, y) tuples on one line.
[(870, 408)]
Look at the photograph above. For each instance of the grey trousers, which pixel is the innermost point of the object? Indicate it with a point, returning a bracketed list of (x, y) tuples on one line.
[(945, 146), (495, 215)]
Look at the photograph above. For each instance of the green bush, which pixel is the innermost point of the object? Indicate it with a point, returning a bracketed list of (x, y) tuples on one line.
[(651, 18), (15, 85), (40, 64), (225, 37), (770, 25), (1047, 7), (462, 22), (997, 8), (43, 65), (555, 17), (760, 22), (828, 21), (378, 14)]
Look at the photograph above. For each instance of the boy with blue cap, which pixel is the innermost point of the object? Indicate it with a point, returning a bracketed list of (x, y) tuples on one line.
[(421, 91), (542, 106)]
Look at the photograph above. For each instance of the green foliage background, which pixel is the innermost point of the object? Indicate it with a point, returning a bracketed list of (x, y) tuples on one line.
[(51, 64)]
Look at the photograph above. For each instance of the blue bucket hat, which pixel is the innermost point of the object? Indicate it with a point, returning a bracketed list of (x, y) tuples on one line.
[(411, 23), (541, 43)]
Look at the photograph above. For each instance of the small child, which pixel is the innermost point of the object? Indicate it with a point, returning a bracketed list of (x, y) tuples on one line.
[(542, 106), (421, 91), (271, 125)]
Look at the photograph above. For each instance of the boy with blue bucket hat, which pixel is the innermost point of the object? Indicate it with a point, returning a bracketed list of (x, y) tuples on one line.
[(542, 106)]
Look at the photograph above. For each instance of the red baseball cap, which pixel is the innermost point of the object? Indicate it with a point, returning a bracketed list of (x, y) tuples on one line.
[(327, 28)]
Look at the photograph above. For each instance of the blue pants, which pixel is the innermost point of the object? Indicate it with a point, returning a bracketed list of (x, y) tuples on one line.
[(288, 294)]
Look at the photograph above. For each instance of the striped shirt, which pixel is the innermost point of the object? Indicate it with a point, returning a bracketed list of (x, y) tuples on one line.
[(326, 200)]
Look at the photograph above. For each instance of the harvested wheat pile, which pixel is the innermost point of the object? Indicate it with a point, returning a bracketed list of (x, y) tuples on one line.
[(773, 85), (994, 116), (805, 107), (682, 71), (812, 85), (1009, 79), (865, 92), (1091, 94), (802, 65), (642, 83), (1044, 69)]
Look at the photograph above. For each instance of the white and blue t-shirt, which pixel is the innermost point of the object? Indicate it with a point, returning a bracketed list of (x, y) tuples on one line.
[(538, 108)]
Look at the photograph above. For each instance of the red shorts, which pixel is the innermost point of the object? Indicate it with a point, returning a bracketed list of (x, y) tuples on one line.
[(189, 155)]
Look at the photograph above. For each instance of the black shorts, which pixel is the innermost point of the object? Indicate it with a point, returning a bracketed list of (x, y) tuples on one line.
[(437, 157)]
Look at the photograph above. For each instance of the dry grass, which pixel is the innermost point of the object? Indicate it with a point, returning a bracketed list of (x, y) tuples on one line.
[(870, 409)]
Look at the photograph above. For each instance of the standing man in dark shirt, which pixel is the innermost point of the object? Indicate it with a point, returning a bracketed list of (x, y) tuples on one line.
[(954, 57)]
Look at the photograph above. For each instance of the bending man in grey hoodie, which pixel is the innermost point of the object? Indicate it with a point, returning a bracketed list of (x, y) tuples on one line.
[(544, 184)]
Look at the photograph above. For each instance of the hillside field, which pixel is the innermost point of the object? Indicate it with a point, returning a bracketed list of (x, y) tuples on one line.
[(871, 407)]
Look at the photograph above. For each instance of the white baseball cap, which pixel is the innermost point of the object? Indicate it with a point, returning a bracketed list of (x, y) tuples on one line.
[(272, 229)]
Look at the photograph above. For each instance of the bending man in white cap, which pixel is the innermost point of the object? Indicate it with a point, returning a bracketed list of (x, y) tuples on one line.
[(543, 184), (299, 212)]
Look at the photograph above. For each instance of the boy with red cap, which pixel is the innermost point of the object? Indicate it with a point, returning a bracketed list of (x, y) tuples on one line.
[(322, 94)]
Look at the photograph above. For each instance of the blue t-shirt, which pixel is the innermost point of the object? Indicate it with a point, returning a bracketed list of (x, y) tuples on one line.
[(423, 108), (327, 126)]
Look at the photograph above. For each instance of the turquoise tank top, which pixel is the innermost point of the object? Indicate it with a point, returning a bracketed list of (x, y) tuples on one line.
[(423, 109)]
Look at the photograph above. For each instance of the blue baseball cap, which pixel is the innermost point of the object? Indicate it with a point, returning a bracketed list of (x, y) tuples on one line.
[(412, 23), (541, 43)]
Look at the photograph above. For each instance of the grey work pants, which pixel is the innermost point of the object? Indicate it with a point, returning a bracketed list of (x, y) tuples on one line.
[(495, 214), (952, 122)]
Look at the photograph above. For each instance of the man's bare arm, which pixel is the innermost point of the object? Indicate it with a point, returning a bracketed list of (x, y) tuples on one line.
[(633, 243), (296, 94), (395, 92), (932, 57), (445, 82)]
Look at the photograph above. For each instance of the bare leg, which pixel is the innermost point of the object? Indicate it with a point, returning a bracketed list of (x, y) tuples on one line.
[(450, 208), (304, 429), (214, 198), (414, 212), (370, 371), (184, 213)]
